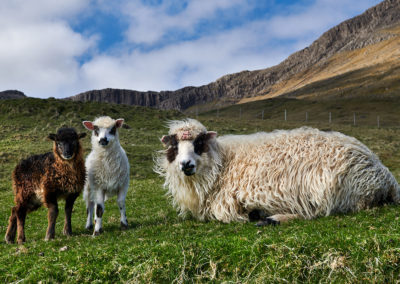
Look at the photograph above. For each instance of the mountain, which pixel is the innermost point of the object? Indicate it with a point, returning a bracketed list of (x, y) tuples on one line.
[(369, 41), (11, 94)]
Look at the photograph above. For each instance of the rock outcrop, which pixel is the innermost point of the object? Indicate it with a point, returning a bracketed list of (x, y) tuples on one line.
[(11, 94)]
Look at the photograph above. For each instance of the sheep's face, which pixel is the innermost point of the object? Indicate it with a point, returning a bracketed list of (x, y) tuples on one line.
[(187, 152), (104, 134), (66, 142)]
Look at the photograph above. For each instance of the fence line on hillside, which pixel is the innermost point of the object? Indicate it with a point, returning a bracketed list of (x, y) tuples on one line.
[(353, 118)]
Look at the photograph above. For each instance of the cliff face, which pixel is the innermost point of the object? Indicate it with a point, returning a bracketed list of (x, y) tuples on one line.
[(356, 33), (11, 94)]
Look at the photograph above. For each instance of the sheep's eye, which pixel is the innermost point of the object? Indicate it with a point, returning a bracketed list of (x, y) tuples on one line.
[(113, 130), (96, 131)]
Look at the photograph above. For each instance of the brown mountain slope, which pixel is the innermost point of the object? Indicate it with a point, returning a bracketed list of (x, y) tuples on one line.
[(380, 60), (324, 58)]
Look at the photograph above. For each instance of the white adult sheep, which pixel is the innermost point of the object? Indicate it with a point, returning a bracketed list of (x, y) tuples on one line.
[(108, 171), (275, 177)]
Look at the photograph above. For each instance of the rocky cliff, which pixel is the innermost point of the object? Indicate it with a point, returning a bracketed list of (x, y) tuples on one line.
[(356, 33), (11, 94)]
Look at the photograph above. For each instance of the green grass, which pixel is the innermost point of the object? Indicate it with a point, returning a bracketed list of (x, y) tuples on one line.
[(160, 246)]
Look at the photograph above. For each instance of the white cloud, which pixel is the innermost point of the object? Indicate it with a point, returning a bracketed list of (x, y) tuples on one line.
[(150, 23), (321, 16), (39, 50)]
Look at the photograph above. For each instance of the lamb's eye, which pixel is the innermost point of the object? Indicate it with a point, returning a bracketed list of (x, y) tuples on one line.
[(113, 130), (96, 132)]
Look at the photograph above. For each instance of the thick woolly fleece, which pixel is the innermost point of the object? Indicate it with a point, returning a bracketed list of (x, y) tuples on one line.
[(300, 173)]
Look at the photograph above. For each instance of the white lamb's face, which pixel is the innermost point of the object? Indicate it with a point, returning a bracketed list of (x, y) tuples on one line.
[(104, 136), (187, 155)]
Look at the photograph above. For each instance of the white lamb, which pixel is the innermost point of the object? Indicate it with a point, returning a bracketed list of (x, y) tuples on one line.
[(272, 177), (108, 171)]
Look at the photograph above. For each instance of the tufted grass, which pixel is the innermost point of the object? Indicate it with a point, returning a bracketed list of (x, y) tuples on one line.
[(160, 246)]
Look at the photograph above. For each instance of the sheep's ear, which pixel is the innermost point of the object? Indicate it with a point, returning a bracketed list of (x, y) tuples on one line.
[(82, 135), (52, 136), (88, 125), (211, 134), (119, 122), (166, 139)]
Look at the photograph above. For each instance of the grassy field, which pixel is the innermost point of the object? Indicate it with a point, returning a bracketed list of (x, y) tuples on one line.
[(160, 246)]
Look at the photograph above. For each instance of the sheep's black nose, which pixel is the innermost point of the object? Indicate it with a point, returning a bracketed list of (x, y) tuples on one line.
[(103, 141), (187, 165)]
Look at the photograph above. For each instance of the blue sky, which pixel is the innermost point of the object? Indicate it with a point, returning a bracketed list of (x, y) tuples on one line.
[(61, 48)]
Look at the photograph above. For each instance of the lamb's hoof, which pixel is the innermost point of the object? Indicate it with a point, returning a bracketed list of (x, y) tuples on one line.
[(67, 233), (267, 222), (124, 226), (97, 233), (89, 228), (8, 240), (48, 238)]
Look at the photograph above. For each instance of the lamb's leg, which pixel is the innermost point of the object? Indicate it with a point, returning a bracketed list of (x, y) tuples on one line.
[(69, 204), (12, 227), (121, 204), (99, 210), (89, 212), (277, 219), (52, 217), (21, 215)]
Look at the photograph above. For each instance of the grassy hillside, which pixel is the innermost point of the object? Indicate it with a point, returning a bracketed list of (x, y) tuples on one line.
[(160, 246)]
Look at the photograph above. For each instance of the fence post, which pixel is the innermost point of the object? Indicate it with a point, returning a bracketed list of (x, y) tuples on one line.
[(330, 117), (285, 114), (354, 118)]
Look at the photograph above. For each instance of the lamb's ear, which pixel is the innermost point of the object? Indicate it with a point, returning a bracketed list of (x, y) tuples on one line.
[(119, 122), (166, 139), (52, 136), (81, 135), (88, 125), (211, 134)]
